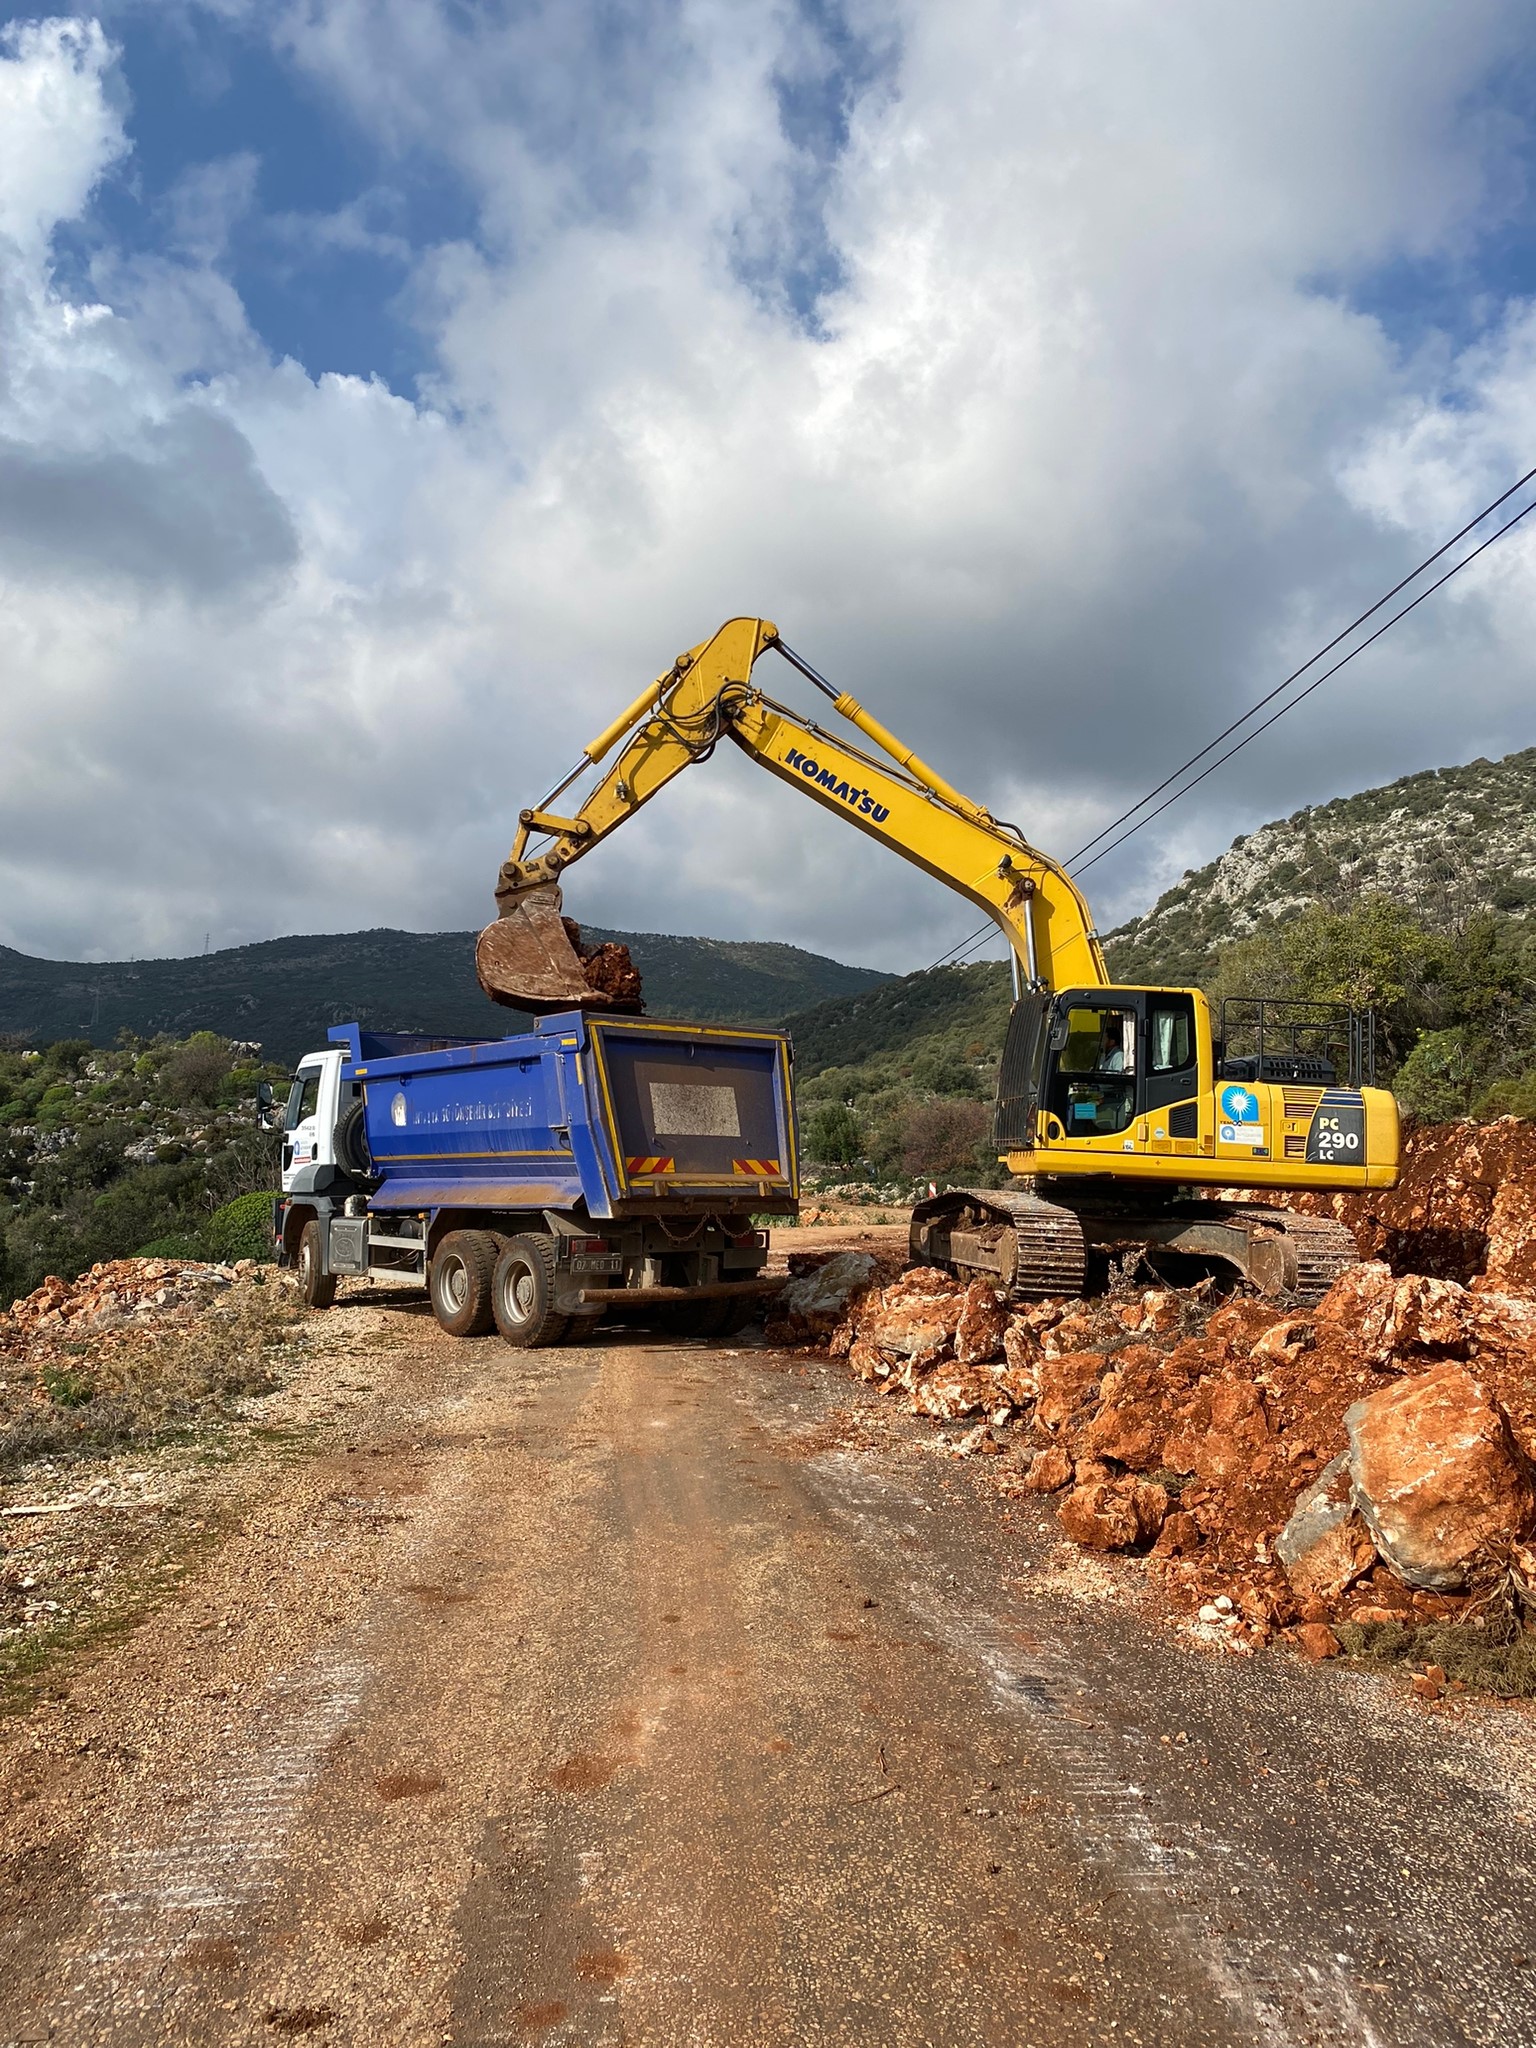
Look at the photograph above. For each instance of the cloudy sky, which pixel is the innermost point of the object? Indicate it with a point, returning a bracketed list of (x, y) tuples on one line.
[(389, 388)]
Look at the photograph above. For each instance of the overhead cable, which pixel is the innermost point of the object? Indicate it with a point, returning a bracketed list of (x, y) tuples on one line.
[(1296, 674), (1302, 695)]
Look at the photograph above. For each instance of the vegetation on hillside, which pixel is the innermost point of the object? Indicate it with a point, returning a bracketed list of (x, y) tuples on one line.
[(288, 992), (897, 1084), (150, 1145), (1456, 1008), (1446, 845)]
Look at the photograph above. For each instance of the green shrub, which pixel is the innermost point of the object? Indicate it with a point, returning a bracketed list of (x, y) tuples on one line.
[(180, 1244), (833, 1135), (54, 1104), (67, 1388), (1434, 1081), (197, 1071), (1510, 1098), (242, 1229)]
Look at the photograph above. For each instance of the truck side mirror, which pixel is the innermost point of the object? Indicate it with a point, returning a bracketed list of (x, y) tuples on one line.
[(263, 1094)]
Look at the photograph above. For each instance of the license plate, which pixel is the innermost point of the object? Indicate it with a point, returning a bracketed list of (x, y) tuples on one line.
[(597, 1262)]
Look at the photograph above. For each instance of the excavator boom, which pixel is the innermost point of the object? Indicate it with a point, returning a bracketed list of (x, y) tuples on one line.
[(708, 694)]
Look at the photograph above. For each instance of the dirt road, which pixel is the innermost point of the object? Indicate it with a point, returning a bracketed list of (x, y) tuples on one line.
[(654, 1694)]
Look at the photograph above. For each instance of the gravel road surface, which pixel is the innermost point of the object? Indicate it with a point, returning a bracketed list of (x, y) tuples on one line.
[(654, 1693)]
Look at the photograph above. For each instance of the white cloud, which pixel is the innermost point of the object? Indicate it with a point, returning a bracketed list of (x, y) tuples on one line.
[(58, 130), (1084, 443)]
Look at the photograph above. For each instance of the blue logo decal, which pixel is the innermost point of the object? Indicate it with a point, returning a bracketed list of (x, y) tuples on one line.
[(1239, 1106)]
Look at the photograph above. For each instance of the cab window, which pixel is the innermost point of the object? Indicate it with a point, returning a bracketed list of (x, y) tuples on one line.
[(1093, 1092), (303, 1099), (1170, 1040)]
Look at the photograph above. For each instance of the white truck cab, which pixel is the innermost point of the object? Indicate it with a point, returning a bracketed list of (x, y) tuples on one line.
[(309, 1123)]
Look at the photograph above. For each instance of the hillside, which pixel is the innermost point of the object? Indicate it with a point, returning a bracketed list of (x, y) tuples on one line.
[(1445, 843), (967, 1005), (285, 993)]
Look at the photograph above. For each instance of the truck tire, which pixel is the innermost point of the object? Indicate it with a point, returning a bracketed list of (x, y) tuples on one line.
[(317, 1287), (746, 1309), (523, 1294), (351, 1142), (463, 1268)]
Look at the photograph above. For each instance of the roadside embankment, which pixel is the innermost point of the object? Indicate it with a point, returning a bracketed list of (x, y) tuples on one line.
[(1358, 1475), (123, 1395)]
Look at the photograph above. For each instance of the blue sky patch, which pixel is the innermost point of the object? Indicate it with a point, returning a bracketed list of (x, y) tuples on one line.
[(320, 253)]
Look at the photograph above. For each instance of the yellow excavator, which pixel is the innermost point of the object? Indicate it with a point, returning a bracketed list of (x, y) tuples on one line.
[(1114, 1105)]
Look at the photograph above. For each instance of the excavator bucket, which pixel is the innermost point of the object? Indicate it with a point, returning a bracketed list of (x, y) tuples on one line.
[(531, 958)]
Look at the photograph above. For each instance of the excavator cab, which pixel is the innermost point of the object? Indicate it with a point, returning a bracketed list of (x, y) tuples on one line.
[(1150, 1084)]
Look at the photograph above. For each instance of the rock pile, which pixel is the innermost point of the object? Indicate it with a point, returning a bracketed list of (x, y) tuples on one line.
[(122, 1292), (608, 969), (1464, 1209), (1368, 1459)]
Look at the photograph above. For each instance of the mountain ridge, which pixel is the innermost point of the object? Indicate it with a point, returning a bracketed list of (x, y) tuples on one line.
[(286, 993), (1446, 842)]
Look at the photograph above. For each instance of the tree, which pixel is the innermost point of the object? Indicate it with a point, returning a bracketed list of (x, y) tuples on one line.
[(1375, 954), (833, 1136), (196, 1071), (943, 1137), (1435, 1082)]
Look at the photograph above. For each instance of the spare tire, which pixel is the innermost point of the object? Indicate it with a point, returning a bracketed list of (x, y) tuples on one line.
[(351, 1142)]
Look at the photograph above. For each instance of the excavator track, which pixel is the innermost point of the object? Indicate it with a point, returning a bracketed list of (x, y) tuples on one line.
[(1323, 1248), (1037, 1248), (1274, 1249)]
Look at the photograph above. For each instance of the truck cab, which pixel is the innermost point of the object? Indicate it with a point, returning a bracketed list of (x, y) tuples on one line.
[(309, 1123)]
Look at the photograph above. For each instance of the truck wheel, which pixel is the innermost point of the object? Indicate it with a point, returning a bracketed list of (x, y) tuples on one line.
[(316, 1285), (745, 1309), (523, 1294), (463, 1268)]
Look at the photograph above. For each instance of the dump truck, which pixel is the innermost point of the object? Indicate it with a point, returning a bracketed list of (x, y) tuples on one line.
[(587, 1166)]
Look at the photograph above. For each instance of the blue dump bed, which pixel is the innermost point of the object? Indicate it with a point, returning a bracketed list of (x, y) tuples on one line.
[(623, 1115)]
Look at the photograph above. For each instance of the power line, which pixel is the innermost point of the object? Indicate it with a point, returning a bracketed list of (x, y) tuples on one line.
[(961, 946), (1301, 697), (1297, 674), (957, 952)]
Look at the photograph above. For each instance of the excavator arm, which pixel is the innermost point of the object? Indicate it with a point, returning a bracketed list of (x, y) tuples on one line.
[(709, 694)]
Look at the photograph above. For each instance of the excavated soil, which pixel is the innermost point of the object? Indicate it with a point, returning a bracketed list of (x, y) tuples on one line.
[(1465, 1208), (1184, 1427), (608, 969)]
